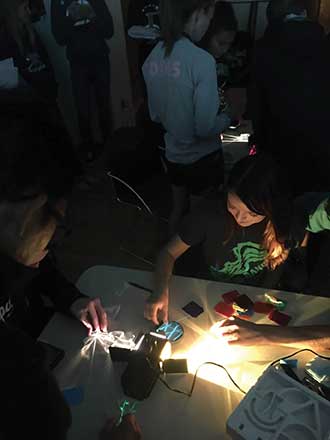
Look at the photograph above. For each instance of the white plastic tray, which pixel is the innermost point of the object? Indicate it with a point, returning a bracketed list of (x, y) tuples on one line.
[(280, 408)]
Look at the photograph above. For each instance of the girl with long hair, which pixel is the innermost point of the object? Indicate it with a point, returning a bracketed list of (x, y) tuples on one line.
[(183, 96), (222, 31), (244, 235)]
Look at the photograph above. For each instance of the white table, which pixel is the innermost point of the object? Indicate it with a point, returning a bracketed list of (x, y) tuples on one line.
[(166, 414)]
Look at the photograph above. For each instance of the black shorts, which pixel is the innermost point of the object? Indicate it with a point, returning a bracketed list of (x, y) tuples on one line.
[(198, 177)]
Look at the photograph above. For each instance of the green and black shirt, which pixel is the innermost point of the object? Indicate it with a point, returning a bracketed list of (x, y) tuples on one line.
[(239, 258)]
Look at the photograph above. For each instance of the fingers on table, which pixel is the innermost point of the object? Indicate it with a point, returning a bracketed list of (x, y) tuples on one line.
[(97, 315), (102, 315), (85, 321), (164, 313), (151, 312), (93, 315)]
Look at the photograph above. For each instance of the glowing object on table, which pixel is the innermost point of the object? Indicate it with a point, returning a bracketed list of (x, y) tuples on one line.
[(211, 347), (172, 330), (126, 408), (105, 340)]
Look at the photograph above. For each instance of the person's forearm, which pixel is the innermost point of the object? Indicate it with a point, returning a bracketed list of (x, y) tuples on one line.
[(163, 273), (316, 338)]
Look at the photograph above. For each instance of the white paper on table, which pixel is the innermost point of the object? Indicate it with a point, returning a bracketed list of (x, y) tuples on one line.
[(8, 74)]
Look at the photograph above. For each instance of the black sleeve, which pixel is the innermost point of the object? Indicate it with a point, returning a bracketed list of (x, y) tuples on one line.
[(32, 405), (62, 26), (103, 21), (194, 226), (56, 287)]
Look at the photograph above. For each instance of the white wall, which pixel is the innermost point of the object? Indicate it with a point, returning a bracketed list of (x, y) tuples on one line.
[(121, 95)]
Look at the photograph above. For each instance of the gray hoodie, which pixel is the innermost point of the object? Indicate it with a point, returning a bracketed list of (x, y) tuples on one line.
[(183, 97)]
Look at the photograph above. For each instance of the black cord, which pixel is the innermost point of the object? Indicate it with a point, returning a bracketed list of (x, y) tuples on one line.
[(163, 381), (189, 394), (298, 352)]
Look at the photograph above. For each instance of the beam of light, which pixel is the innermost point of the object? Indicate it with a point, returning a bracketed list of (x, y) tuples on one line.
[(166, 352), (210, 347), (104, 340), (241, 138)]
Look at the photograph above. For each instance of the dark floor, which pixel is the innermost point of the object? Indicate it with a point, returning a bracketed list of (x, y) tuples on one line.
[(107, 231)]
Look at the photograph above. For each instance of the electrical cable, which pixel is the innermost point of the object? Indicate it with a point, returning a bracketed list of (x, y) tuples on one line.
[(189, 394), (298, 352), (126, 185)]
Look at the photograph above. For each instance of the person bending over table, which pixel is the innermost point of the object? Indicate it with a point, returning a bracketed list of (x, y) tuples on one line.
[(35, 181), (313, 212), (244, 234)]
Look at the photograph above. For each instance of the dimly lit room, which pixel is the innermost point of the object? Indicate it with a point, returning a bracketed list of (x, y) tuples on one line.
[(165, 219)]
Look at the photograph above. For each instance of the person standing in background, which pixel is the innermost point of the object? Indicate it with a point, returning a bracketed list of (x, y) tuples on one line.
[(83, 27), (219, 39), (25, 65), (290, 93), (183, 96)]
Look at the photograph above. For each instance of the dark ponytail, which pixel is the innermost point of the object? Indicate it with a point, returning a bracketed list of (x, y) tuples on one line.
[(174, 15)]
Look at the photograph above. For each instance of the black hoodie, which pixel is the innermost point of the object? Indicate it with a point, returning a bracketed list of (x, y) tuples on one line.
[(84, 43), (32, 405), (20, 287), (291, 93)]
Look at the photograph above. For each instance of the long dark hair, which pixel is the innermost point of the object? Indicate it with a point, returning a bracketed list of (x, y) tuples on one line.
[(264, 189), (174, 15), (224, 19)]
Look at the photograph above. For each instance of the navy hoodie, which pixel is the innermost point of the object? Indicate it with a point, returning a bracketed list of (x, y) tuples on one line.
[(87, 42), (291, 91)]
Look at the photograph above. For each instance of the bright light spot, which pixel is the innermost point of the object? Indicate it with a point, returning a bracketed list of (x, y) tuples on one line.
[(103, 341), (212, 348), (166, 352), (230, 139)]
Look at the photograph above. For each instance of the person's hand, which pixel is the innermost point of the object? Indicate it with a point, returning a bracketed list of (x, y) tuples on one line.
[(91, 313), (156, 309), (129, 429), (240, 332), (35, 63)]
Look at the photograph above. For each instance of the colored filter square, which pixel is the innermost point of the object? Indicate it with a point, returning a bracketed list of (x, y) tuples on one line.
[(224, 309), (193, 309), (264, 308), (230, 297), (279, 318)]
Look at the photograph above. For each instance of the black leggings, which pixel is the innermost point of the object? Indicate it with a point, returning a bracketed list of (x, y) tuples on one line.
[(84, 77)]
